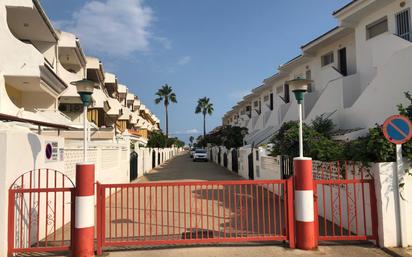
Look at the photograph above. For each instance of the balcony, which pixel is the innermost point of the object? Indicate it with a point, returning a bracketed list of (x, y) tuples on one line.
[(28, 24), (71, 55), (28, 92), (110, 83), (94, 70)]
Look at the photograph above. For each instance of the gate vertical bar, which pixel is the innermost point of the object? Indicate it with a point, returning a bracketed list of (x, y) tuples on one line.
[(291, 214), (99, 211), (10, 223), (374, 212)]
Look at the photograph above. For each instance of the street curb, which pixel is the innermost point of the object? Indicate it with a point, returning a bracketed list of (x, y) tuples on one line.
[(396, 253)]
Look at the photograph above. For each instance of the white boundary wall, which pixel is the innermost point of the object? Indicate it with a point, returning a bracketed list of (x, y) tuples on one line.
[(111, 160), (20, 151)]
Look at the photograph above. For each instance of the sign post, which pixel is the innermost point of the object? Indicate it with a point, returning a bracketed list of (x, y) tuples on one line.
[(398, 130)]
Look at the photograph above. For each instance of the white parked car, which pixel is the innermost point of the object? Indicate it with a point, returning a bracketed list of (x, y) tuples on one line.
[(200, 155)]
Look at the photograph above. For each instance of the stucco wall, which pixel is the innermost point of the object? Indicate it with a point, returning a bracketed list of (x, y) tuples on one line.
[(21, 151)]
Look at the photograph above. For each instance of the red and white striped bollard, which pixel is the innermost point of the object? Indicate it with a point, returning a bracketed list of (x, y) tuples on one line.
[(304, 204), (83, 244)]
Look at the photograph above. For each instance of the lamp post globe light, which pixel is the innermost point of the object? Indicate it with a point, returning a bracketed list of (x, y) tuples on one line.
[(299, 87), (85, 89)]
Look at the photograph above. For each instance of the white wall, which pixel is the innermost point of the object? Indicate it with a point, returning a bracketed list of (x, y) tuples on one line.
[(389, 226), (383, 94), (111, 160), (21, 151)]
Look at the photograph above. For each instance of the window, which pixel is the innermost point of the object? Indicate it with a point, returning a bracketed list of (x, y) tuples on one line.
[(70, 108), (403, 26), (376, 28), (286, 96), (256, 104), (327, 59), (249, 110), (271, 102), (266, 98)]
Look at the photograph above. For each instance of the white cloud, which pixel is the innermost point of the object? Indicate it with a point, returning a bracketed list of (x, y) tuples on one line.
[(187, 132), (114, 27), (238, 94), (184, 60), (192, 131)]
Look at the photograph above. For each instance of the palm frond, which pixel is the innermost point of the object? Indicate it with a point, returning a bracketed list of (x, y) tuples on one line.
[(158, 100), (173, 98), (210, 109), (165, 94), (198, 109)]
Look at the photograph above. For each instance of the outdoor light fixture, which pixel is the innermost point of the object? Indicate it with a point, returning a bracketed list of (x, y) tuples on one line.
[(299, 87), (85, 89)]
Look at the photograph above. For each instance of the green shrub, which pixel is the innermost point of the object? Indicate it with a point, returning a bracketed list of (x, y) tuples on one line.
[(323, 125), (159, 140), (315, 144), (228, 136), (371, 148)]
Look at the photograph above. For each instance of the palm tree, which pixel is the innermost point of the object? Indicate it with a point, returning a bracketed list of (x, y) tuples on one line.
[(166, 94), (204, 106)]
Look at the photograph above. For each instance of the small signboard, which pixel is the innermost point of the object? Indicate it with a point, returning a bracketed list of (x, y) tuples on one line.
[(397, 129), (52, 151)]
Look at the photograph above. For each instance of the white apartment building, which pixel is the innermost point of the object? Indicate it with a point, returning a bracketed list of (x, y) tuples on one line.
[(359, 66), (38, 65)]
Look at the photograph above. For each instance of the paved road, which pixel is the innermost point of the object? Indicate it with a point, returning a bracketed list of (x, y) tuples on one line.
[(183, 169)]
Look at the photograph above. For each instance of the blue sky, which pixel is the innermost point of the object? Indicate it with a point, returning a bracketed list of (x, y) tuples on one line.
[(215, 48)]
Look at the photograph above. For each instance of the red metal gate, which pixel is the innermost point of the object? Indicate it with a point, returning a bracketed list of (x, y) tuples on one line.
[(194, 212), (345, 202), (39, 212)]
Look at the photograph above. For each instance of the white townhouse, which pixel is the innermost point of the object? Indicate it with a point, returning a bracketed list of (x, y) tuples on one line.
[(29, 81), (38, 65), (359, 66)]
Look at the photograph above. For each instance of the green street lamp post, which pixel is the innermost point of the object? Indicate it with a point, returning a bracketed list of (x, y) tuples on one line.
[(85, 89), (299, 87)]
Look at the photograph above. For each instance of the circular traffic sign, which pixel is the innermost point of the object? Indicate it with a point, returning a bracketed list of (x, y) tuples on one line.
[(49, 151), (397, 129)]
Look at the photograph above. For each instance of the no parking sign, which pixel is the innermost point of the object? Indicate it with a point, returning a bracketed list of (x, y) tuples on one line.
[(397, 129)]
